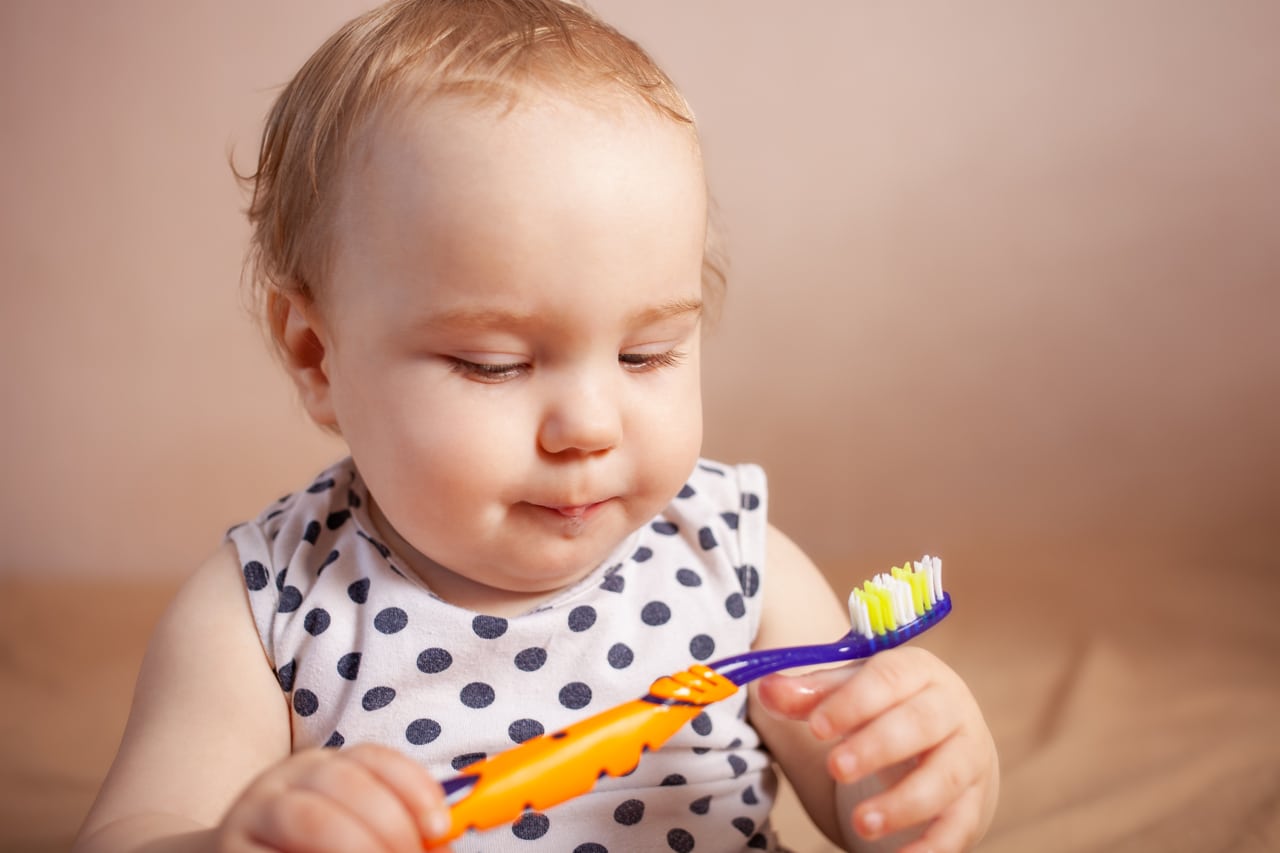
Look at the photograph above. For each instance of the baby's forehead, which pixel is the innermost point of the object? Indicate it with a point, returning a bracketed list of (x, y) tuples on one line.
[(415, 107), (493, 136)]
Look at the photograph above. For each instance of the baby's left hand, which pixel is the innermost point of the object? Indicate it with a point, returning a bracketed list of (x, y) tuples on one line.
[(901, 704)]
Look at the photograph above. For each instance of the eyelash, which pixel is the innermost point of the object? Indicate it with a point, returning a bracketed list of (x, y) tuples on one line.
[(638, 362), (496, 373)]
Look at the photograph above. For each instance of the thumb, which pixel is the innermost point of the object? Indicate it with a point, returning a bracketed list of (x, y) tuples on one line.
[(794, 697)]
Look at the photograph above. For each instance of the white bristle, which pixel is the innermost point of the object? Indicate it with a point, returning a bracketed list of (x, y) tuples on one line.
[(899, 597), (905, 604), (859, 616)]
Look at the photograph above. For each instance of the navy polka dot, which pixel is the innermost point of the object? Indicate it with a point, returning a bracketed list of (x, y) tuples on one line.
[(680, 840), (591, 847), (621, 656), (642, 553), (758, 842), (349, 666), (531, 659), (749, 796), (359, 591), (688, 577), (462, 761), (575, 695), (322, 486), (312, 533), (422, 732), (674, 779), (745, 825), (434, 660), (316, 622), (581, 618), (290, 599), (666, 528), (531, 825), (391, 620), (730, 519), (256, 576), (735, 605), (629, 813), (284, 675), (738, 764), (686, 492), (489, 627), (750, 501), (280, 578), (337, 519), (702, 805), (335, 740), (702, 647), (613, 582), (749, 579), (521, 730), (305, 703), (353, 500), (707, 539), (477, 694), (377, 697), (328, 561), (702, 724), (655, 613)]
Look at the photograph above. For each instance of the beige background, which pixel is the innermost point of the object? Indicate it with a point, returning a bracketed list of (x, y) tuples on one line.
[(1006, 274), (1006, 288)]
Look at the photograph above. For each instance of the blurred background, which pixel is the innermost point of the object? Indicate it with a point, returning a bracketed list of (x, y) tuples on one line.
[(1005, 279), (1003, 275)]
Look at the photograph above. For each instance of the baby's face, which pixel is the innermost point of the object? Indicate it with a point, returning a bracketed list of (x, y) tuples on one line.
[(511, 325)]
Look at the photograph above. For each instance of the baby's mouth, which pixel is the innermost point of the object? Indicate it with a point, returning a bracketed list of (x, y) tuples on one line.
[(574, 518)]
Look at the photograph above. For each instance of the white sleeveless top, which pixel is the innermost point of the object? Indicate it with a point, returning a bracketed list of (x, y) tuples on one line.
[(367, 653)]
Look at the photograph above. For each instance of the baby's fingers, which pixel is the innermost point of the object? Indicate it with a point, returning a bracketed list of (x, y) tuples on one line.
[(418, 794), (942, 780), (909, 729), (885, 681), (955, 829)]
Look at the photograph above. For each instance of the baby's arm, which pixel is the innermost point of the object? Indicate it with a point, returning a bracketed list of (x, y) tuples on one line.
[(206, 763), (901, 733)]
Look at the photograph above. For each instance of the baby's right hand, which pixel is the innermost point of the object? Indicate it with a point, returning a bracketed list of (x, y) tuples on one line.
[(364, 797)]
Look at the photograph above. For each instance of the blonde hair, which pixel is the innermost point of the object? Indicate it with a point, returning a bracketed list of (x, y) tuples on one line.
[(488, 48)]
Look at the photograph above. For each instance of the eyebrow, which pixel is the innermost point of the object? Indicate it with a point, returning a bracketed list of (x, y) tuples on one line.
[(492, 318)]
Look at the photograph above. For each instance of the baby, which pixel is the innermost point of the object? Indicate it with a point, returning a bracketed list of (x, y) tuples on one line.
[(480, 235)]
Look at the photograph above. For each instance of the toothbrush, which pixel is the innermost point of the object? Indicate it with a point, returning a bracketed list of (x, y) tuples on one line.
[(549, 769)]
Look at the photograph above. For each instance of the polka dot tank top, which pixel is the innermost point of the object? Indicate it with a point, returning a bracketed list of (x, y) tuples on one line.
[(366, 653)]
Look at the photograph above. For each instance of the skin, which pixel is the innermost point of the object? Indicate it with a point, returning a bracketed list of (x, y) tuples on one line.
[(508, 338)]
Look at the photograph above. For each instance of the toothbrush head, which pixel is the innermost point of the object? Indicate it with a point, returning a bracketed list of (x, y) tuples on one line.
[(899, 603)]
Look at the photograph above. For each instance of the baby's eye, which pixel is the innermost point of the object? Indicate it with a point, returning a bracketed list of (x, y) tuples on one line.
[(641, 361), (489, 373)]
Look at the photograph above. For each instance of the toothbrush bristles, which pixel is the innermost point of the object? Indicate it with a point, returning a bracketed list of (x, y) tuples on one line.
[(894, 599)]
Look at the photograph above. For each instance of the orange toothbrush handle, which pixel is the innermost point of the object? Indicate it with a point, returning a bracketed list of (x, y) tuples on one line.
[(551, 768)]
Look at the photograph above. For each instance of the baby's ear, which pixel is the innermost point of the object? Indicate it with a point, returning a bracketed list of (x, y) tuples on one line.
[(299, 328)]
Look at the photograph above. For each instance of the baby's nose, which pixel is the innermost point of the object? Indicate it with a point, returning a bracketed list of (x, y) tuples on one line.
[(582, 416)]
